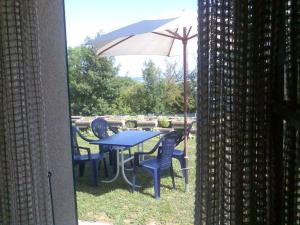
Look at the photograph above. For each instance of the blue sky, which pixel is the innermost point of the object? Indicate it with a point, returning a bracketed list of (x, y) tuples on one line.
[(86, 17)]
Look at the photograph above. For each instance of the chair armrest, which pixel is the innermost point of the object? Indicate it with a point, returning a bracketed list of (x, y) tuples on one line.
[(113, 129), (84, 137), (189, 128), (136, 158), (136, 155), (180, 139), (87, 149)]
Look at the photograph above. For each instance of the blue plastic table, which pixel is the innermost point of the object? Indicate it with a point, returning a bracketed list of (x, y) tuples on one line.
[(122, 141)]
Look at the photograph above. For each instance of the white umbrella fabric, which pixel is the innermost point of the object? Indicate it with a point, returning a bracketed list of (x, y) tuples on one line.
[(149, 37), (166, 37)]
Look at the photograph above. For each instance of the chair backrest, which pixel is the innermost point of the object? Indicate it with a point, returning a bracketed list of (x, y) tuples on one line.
[(166, 147), (74, 143), (189, 128), (100, 128)]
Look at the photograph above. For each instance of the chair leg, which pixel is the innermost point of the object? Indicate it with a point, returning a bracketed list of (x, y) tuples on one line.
[(99, 166), (172, 176), (131, 161), (156, 178), (133, 179), (105, 167), (81, 169), (75, 177), (113, 160), (94, 172), (182, 164), (110, 158)]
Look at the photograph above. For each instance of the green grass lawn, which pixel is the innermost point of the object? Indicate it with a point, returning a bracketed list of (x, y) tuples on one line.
[(115, 203)]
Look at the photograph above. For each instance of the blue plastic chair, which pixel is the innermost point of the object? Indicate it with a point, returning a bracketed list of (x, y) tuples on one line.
[(80, 159), (163, 161), (179, 154), (101, 129)]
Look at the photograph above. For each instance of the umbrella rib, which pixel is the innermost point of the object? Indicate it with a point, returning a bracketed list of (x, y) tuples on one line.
[(188, 33), (166, 35), (172, 44), (192, 36), (175, 34), (115, 44)]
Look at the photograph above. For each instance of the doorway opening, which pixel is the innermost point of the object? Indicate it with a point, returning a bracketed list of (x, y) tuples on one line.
[(130, 93)]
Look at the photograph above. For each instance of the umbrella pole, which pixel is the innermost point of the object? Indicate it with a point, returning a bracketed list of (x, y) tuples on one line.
[(185, 90)]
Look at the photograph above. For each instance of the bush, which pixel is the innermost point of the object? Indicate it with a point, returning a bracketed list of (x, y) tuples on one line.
[(131, 124), (163, 122)]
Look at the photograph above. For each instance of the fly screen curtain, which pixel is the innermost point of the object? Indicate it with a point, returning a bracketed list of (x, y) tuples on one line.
[(24, 189), (248, 112)]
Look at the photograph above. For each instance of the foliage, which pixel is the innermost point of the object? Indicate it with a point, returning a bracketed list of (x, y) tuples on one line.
[(152, 88), (131, 100), (173, 95), (163, 122), (95, 88), (92, 82), (131, 123), (172, 72)]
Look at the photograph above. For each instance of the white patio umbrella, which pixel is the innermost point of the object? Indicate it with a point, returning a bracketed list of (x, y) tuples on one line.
[(166, 37)]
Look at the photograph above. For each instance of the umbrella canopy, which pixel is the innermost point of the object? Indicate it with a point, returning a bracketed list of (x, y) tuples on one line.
[(166, 37), (149, 37)]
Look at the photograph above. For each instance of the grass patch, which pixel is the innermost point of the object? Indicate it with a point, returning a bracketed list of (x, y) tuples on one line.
[(115, 203)]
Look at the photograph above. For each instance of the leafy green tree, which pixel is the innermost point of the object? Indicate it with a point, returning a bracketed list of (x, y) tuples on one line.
[(92, 82), (129, 98), (153, 87), (173, 71), (173, 95), (132, 99)]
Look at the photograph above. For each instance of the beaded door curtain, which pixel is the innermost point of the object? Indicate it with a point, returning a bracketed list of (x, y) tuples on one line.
[(24, 188), (248, 112)]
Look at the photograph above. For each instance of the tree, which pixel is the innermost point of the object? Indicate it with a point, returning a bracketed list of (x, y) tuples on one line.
[(172, 71), (132, 99), (172, 96), (92, 82), (153, 87)]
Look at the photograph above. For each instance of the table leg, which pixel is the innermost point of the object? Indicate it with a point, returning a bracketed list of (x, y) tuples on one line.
[(123, 170), (118, 169), (141, 149), (131, 162)]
